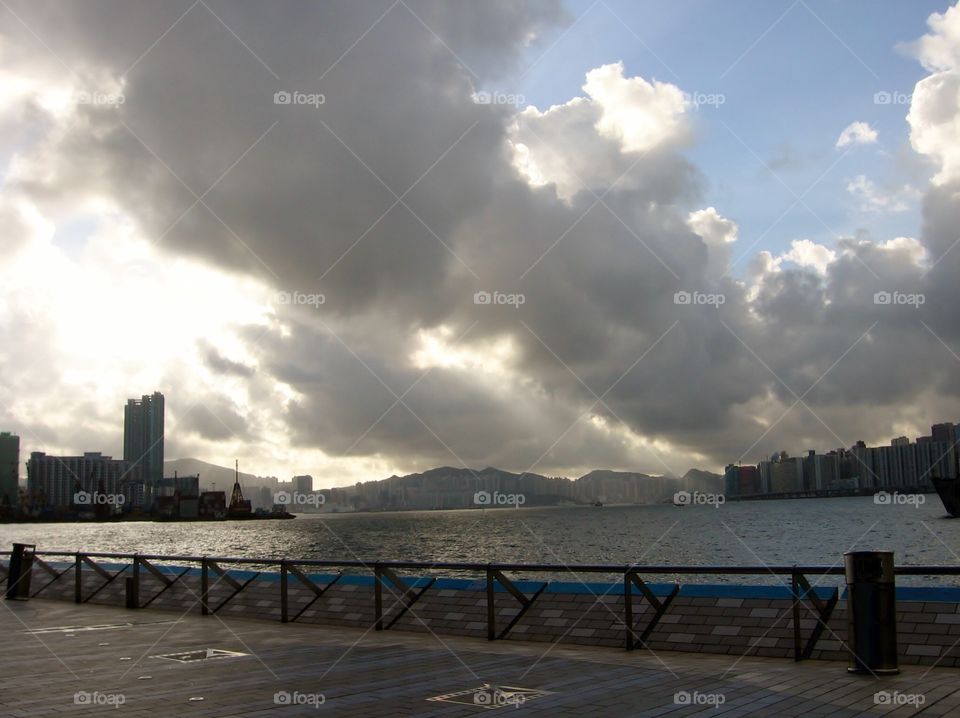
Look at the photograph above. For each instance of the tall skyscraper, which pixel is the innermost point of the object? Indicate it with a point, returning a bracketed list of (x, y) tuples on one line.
[(143, 436), (303, 484), (9, 469)]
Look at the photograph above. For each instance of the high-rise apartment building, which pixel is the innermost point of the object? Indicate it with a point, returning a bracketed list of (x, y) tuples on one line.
[(143, 437), (303, 484), (9, 469), (54, 481)]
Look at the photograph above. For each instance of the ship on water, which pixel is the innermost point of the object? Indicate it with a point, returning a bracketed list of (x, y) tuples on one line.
[(949, 492), (241, 508)]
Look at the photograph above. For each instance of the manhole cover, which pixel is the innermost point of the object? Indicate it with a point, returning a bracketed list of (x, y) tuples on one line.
[(492, 697), (204, 654)]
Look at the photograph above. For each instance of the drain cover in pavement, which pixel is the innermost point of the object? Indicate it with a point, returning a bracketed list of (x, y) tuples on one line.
[(492, 697), (204, 654)]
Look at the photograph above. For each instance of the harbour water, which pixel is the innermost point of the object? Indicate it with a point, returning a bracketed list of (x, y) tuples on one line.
[(806, 531)]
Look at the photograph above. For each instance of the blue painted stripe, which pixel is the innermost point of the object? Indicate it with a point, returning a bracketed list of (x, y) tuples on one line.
[(942, 594)]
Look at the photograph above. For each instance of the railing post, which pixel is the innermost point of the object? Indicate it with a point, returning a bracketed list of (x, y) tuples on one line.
[(204, 587), (135, 598), (377, 597), (628, 609), (491, 607), (78, 580), (795, 587), (283, 592)]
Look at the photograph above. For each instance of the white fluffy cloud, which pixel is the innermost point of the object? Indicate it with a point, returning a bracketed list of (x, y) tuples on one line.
[(934, 115), (857, 133), (805, 253), (600, 135), (940, 49)]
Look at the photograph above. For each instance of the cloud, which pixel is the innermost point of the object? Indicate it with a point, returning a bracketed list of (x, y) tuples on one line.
[(805, 253), (602, 135), (940, 49), (397, 200), (857, 133), (875, 199), (934, 116)]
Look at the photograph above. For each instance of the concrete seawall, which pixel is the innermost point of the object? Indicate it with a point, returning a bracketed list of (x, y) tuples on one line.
[(717, 619)]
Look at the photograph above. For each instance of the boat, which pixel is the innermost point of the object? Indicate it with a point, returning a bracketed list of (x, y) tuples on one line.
[(949, 492), (598, 504)]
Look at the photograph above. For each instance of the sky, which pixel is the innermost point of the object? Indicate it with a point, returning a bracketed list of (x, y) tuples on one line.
[(357, 239)]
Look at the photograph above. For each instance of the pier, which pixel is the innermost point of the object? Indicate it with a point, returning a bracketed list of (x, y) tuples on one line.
[(419, 638)]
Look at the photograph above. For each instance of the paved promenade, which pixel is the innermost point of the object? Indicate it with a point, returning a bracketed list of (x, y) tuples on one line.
[(62, 659)]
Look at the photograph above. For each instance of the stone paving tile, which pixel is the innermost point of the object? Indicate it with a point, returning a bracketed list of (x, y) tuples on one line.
[(360, 672)]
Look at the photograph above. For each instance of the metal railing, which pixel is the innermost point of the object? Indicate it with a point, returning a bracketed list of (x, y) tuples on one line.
[(385, 573)]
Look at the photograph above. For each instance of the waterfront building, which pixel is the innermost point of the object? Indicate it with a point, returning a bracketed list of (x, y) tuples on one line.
[(302, 484), (782, 474), (9, 470), (741, 480), (53, 481), (143, 436), (904, 465)]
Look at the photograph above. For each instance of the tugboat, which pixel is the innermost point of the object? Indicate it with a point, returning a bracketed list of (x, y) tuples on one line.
[(949, 492)]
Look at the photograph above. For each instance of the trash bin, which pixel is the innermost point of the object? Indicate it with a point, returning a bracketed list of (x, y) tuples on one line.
[(871, 612), (21, 568)]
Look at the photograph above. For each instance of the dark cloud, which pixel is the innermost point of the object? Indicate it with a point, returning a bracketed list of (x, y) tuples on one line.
[(309, 203)]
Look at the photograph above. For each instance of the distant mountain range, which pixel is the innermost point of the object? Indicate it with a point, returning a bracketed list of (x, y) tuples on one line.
[(450, 487)]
